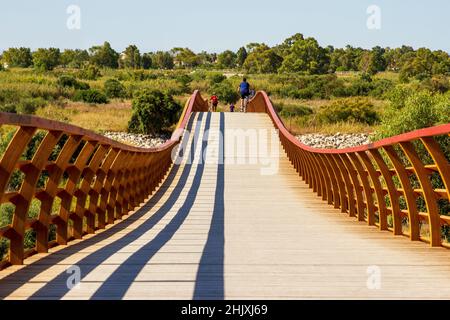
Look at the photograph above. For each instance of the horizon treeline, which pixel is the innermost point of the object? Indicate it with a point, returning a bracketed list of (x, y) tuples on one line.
[(296, 54)]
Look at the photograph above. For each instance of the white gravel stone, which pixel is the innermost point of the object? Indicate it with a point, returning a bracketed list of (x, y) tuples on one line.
[(335, 141), (316, 140), (138, 140)]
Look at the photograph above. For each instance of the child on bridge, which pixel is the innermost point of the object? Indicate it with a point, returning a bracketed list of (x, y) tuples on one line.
[(214, 102)]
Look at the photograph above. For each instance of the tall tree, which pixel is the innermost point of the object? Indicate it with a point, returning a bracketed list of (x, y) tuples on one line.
[(442, 63), (206, 59), (284, 49), (185, 57), (242, 55), (46, 59), (379, 60), (227, 59), (263, 59), (104, 56), (347, 59), (253, 46), (18, 57), (418, 64), (130, 58), (147, 60), (306, 56), (163, 60), (367, 63), (74, 58)]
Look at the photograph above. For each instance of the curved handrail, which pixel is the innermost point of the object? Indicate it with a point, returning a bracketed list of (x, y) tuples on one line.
[(96, 179), (385, 183)]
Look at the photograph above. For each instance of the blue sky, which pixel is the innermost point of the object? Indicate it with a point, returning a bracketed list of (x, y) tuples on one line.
[(219, 25)]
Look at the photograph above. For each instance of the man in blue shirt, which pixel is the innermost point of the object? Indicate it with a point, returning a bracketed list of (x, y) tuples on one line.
[(244, 91)]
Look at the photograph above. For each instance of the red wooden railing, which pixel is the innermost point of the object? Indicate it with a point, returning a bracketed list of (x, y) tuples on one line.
[(95, 179), (390, 183)]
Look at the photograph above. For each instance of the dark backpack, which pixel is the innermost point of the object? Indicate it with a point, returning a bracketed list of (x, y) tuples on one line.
[(244, 88)]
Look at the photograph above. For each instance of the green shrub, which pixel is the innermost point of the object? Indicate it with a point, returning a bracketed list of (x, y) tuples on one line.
[(12, 95), (90, 96), (225, 91), (360, 87), (184, 80), (398, 96), (33, 145), (216, 78), (5, 139), (10, 107), (30, 105), (6, 215), (114, 89), (136, 75), (295, 111), (442, 108), (324, 85), (278, 107), (66, 81), (89, 72), (296, 93), (198, 75), (69, 81), (308, 87), (418, 110), (437, 84), (381, 87), (4, 245), (348, 110), (153, 112), (30, 235), (7, 212), (366, 77), (341, 92), (82, 86)]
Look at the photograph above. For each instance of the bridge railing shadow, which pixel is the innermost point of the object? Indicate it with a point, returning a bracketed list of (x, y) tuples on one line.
[(118, 283)]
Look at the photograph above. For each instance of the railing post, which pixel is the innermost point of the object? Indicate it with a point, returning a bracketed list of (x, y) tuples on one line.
[(408, 192), (392, 192), (340, 184), (428, 193), (347, 183), (374, 177), (328, 179), (336, 198), (366, 188)]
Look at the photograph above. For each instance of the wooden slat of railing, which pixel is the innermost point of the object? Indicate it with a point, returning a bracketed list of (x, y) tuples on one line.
[(373, 175), (430, 197), (392, 192), (367, 190)]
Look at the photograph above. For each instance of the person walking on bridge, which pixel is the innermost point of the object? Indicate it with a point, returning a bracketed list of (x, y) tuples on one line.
[(214, 102), (244, 91)]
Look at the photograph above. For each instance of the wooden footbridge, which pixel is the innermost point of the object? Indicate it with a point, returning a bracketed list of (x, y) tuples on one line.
[(232, 207)]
